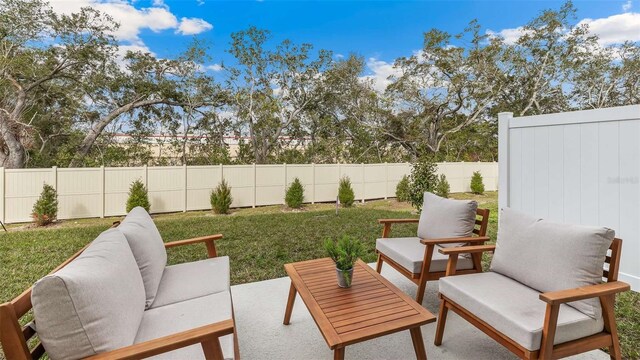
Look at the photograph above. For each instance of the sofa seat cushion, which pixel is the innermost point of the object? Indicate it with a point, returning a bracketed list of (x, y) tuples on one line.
[(187, 315), (192, 280), (147, 247), (409, 253), (514, 309), (549, 256), (92, 305), (446, 218)]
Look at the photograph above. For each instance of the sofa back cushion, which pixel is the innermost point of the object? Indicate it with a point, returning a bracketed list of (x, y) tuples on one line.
[(92, 305), (550, 256), (446, 218), (147, 247)]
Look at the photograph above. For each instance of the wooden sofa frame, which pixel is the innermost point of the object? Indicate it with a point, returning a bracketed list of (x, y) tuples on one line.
[(605, 292), (425, 275), (15, 339)]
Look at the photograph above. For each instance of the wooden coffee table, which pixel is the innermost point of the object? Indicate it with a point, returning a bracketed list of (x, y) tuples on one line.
[(372, 307)]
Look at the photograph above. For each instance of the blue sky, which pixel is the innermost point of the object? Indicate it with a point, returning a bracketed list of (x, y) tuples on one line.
[(378, 30)]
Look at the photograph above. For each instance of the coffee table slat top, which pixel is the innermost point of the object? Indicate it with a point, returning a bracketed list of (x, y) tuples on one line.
[(372, 307)]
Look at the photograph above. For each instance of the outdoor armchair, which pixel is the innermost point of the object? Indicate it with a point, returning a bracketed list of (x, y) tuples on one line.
[(443, 223), (550, 292)]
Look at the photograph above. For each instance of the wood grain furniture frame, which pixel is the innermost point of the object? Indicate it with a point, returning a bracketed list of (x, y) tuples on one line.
[(421, 278), (605, 292), (371, 308), (15, 339)]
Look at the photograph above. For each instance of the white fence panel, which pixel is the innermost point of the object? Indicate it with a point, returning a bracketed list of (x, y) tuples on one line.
[(79, 193), (579, 167), (241, 178), (326, 180), (166, 186), (116, 187), (200, 181), (22, 188)]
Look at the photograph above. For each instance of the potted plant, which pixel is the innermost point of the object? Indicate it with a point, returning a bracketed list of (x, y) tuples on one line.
[(344, 252)]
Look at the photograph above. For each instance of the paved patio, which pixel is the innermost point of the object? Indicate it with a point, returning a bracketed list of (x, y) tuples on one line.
[(259, 309)]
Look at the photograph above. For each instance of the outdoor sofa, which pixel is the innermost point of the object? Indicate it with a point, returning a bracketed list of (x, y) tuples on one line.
[(118, 299)]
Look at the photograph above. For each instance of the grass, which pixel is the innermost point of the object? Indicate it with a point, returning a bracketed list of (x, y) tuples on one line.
[(258, 241)]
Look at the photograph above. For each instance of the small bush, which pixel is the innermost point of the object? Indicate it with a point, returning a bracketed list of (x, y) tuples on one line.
[(423, 178), (442, 187), (138, 196), (45, 210), (295, 194), (344, 252), (221, 198), (477, 186), (402, 189), (345, 192)]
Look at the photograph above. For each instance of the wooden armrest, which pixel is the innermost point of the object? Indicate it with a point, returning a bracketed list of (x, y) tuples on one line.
[(470, 239), (208, 240), (585, 292), (397, 221), (204, 334), (467, 249)]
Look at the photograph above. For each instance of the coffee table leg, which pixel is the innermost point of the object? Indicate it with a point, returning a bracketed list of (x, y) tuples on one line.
[(338, 354), (290, 301), (418, 343)]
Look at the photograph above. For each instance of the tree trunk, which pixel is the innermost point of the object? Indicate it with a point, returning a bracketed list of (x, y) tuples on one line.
[(14, 155)]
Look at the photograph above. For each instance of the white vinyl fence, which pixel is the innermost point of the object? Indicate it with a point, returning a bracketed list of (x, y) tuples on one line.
[(100, 192), (578, 167)]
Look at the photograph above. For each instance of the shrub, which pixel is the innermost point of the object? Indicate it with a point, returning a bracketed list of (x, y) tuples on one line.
[(477, 186), (423, 178), (344, 252), (402, 189), (442, 187), (221, 198), (295, 194), (138, 196), (45, 210), (345, 192)]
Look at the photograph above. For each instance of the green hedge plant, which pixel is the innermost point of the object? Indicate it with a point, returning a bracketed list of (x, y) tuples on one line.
[(138, 196), (402, 189), (423, 178), (477, 186), (45, 210), (345, 192), (221, 198), (442, 187), (295, 194)]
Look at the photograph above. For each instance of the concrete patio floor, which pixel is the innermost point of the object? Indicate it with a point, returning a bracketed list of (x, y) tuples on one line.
[(259, 309)]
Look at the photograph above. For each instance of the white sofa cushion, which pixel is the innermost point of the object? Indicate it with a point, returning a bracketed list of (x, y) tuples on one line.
[(514, 309), (191, 280), (147, 247), (92, 305), (187, 315), (446, 218), (549, 256), (409, 253)]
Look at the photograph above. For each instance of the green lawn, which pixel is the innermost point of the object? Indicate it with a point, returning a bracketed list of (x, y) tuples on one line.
[(258, 241)]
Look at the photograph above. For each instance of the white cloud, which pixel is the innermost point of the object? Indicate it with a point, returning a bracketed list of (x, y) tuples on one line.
[(192, 26), (510, 36), (215, 67), (615, 29), (380, 73), (627, 6)]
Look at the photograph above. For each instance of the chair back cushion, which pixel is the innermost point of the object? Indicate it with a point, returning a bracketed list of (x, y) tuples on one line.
[(92, 305), (446, 218), (147, 247), (549, 256)]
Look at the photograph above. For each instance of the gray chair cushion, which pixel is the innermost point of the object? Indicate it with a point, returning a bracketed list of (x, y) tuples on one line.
[(549, 256), (191, 280), (187, 315), (147, 247), (92, 305), (409, 253), (515, 309), (446, 218)]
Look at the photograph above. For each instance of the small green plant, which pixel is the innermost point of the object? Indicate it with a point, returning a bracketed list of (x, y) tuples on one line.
[(423, 178), (45, 210), (344, 253), (295, 194), (221, 198), (138, 196), (442, 187), (477, 186), (345, 192), (402, 189)]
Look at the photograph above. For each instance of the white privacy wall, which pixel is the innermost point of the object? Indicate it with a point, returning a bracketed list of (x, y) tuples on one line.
[(579, 167), (100, 192)]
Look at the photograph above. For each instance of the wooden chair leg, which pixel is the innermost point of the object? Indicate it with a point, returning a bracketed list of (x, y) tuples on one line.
[(424, 272), (212, 349), (422, 286), (549, 331), (379, 263), (290, 301), (442, 320), (607, 303)]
